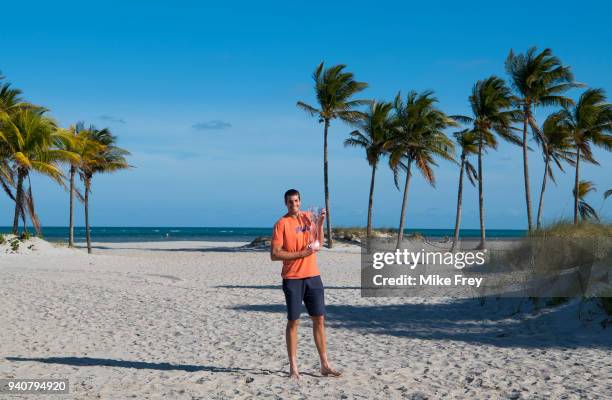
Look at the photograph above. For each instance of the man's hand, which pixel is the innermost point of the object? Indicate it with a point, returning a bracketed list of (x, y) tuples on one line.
[(278, 254), (306, 252), (323, 213)]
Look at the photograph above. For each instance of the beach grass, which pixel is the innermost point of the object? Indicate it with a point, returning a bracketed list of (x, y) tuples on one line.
[(569, 230), (356, 233), (564, 229)]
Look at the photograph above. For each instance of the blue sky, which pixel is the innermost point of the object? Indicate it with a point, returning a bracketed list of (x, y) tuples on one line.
[(204, 98)]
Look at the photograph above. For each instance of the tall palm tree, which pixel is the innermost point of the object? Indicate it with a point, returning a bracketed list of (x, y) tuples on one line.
[(585, 210), (98, 154), (467, 142), (419, 138), (539, 79), (30, 138), (76, 142), (557, 146), (491, 103), (374, 130), (334, 89), (590, 123)]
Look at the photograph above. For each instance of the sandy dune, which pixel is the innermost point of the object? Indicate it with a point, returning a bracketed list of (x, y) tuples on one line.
[(198, 320)]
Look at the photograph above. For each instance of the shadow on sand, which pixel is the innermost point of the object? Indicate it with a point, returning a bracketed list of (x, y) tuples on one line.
[(106, 362), (279, 287), (460, 320), (218, 249)]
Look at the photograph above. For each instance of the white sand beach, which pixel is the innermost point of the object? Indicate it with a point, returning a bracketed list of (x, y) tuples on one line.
[(203, 320)]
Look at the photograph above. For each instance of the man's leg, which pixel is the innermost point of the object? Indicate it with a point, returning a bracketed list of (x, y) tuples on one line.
[(318, 331), (314, 299), (291, 338), (293, 289)]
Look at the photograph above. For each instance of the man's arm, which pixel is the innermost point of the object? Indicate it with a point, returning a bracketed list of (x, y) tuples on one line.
[(321, 230), (278, 254)]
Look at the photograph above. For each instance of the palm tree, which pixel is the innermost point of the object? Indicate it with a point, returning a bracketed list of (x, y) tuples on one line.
[(419, 137), (491, 103), (539, 79), (30, 138), (590, 123), (334, 89), (467, 141), (586, 211), (557, 146), (98, 154), (75, 142), (374, 129)]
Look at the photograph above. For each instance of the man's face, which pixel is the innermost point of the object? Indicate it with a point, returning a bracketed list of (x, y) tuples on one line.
[(293, 203)]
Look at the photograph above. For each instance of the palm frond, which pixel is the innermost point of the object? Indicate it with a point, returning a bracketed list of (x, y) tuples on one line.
[(471, 173), (308, 108), (462, 119), (586, 211)]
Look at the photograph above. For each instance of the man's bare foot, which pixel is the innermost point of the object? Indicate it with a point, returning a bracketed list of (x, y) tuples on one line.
[(328, 371), (294, 376)]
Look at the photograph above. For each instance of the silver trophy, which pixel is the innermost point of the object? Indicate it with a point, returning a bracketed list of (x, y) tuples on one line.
[(314, 215)]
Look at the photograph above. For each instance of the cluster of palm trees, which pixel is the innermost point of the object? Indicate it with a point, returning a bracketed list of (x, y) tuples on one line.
[(32, 142), (411, 131)]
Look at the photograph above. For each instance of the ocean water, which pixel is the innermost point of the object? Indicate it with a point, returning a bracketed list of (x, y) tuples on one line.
[(220, 234)]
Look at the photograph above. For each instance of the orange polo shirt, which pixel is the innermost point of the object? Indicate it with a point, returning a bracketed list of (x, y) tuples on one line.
[(293, 235)]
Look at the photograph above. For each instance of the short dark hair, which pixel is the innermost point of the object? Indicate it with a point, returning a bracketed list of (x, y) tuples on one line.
[(292, 192)]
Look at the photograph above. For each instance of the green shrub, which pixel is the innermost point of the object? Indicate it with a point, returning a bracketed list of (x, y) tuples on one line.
[(14, 244)]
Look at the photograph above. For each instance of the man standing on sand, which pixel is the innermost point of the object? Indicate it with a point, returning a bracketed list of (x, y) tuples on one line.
[(301, 279)]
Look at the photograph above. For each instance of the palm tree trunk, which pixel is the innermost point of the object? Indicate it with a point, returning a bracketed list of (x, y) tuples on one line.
[(330, 241), (18, 202), (541, 205), (23, 221), (526, 168), (23, 211), (371, 203), (400, 233), (576, 183), (71, 225), (481, 198), (459, 201), (87, 233), (32, 209), (23, 218)]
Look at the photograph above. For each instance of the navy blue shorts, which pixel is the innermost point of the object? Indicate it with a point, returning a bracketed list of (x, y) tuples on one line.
[(310, 291)]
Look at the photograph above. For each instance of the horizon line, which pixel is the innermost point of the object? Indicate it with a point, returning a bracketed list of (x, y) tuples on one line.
[(257, 227)]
